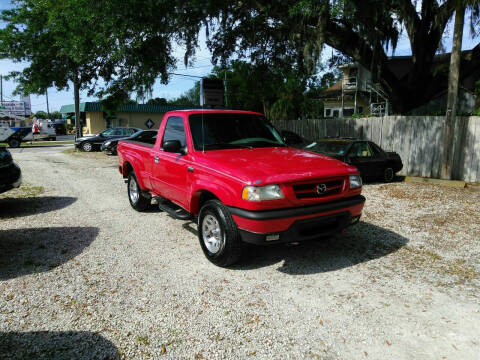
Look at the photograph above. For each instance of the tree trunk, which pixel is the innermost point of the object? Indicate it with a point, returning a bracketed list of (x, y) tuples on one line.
[(453, 80), (76, 93)]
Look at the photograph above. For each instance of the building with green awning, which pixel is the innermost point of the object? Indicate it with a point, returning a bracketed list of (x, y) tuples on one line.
[(94, 119)]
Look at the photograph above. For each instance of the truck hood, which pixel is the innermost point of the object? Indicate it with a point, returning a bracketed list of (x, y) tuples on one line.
[(277, 165)]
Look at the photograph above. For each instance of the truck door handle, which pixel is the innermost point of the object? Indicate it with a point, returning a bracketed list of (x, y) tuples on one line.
[(190, 169), (156, 159)]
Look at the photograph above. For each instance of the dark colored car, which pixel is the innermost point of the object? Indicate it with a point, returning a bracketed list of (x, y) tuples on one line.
[(93, 143), (143, 136), (10, 173), (372, 162)]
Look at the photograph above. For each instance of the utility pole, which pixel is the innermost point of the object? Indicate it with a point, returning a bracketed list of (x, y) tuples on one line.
[(1, 89), (48, 109)]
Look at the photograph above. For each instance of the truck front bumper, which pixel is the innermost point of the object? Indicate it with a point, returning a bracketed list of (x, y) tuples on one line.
[(297, 224)]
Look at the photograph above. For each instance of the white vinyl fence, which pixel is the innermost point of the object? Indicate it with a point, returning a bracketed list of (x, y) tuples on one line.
[(418, 139)]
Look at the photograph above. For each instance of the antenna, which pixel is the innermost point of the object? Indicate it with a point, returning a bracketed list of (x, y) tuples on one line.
[(202, 103)]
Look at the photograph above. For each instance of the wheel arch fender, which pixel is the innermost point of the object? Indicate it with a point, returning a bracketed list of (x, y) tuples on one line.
[(127, 168), (201, 194)]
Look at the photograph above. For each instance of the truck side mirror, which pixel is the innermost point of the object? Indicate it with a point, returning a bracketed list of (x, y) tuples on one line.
[(173, 146)]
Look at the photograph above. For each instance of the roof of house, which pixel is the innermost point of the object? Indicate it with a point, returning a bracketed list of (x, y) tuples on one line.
[(334, 89), (131, 108)]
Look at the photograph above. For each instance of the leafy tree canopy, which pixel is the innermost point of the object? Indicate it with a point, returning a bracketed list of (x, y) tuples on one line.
[(285, 32)]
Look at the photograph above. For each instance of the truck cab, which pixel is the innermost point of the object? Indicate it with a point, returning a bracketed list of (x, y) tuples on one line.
[(231, 172)]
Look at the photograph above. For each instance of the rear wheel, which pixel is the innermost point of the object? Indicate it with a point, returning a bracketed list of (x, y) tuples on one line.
[(137, 200), (87, 146), (388, 174), (14, 143), (218, 234)]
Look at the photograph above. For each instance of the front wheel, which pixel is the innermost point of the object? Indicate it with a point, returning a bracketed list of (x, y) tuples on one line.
[(388, 174), (87, 146), (14, 143), (137, 200), (218, 234)]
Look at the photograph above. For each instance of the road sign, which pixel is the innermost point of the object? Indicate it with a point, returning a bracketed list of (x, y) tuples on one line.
[(19, 108), (149, 123), (212, 92)]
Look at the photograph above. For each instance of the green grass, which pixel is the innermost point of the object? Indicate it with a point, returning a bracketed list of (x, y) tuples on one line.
[(24, 191)]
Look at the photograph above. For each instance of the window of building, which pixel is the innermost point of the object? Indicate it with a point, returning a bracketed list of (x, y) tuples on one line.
[(328, 112), (348, 112), (336, 113), (175, 130)]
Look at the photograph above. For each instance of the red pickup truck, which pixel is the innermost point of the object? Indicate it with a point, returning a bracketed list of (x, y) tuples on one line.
[(232, 172)]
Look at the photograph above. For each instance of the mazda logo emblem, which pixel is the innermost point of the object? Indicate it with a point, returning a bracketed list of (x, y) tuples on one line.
[(321, 188)]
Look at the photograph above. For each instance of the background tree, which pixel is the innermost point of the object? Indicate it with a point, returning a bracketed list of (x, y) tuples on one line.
[(157, 101), (190, 98), (280, 93), (109, 47), (453, 79), (56, 115), (286, 32), (41, 115), (62, 44)]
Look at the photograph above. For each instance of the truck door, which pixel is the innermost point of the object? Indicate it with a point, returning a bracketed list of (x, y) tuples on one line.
[(169, 170)]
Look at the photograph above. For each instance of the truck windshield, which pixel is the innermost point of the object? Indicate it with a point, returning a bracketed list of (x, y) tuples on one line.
[(229, 131)]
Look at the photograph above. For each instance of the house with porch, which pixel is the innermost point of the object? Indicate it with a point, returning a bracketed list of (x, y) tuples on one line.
[(355, 93)]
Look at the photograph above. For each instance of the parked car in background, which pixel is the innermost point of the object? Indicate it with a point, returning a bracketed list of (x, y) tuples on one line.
[(10, 173), (372, 162), (144, 136), (93, 143)]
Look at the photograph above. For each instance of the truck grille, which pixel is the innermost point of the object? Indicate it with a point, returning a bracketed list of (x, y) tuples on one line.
[(318, 189)]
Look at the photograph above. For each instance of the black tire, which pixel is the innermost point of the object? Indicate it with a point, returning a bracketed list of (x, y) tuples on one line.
[(388, 174), (114, 150), (138, 202), (87, 146), (14, 143), (230, 246)]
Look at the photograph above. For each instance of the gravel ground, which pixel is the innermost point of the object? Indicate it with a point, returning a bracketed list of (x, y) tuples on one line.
[(82, 275)]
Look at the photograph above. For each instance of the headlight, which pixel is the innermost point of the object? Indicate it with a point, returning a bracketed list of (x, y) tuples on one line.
[(260, 193), (355, 181)]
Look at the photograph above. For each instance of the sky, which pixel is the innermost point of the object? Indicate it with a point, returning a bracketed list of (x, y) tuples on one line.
[(177, 84)]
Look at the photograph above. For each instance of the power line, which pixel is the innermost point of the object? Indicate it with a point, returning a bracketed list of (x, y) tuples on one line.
[(185, 75)]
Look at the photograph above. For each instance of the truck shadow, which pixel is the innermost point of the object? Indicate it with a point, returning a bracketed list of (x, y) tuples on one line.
[(56, 345), (16, 207), (360, 243), (36, 250)]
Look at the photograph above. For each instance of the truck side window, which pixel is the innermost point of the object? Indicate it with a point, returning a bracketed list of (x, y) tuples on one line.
[(175, 130)]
